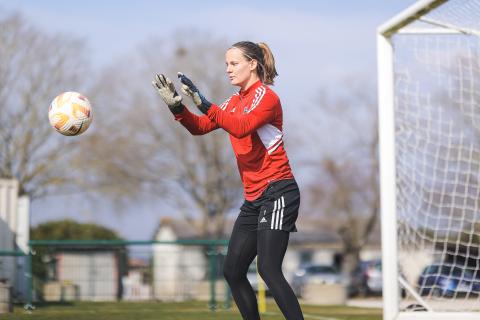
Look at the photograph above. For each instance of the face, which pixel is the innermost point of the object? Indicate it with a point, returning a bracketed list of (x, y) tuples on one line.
[(240, 71)]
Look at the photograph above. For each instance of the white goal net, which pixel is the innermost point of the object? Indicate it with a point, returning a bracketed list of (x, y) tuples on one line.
[(429, 75)]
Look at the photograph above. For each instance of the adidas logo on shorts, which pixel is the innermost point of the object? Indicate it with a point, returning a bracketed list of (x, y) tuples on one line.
[(263, 220)]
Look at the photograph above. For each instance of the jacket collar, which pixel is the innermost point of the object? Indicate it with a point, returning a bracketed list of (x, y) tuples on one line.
[(255, 85)]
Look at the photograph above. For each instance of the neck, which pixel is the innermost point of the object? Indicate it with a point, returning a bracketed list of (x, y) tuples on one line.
[(249, 83)]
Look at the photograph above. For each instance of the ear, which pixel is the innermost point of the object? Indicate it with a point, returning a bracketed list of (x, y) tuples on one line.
[(253, 65)]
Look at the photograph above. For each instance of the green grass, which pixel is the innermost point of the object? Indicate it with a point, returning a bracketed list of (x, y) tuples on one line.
[(175, 311)]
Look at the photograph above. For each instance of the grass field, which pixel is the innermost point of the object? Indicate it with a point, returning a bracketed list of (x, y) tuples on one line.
[(175, 311)]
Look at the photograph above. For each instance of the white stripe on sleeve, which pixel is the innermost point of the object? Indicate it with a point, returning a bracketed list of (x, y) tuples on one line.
[(260, 92)]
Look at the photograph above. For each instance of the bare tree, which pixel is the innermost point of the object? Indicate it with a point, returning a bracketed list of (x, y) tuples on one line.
[(147, 151), (34, 68), (345, 189)]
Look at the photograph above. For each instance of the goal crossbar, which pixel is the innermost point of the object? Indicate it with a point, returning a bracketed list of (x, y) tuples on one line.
[(419, 9)]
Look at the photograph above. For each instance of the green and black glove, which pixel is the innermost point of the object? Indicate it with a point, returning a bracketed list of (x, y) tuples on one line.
[(167, 92), (189, 89)]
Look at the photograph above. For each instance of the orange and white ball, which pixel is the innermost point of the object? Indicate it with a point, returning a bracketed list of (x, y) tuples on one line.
[(70, 113)]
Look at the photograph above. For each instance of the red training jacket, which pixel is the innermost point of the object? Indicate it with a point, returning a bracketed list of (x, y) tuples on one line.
[(254, 120)]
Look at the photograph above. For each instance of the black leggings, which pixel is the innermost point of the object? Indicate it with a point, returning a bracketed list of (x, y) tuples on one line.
[(270, 245)]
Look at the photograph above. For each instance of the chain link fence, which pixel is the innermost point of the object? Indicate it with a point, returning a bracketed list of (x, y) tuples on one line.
[(13, 279), (127, 270)]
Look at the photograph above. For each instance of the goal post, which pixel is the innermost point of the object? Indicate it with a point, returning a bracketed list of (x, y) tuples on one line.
[(429, 132)]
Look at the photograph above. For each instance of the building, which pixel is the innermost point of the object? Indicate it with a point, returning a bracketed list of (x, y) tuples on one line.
[(136, 284), (85, 273), (14, 236), (177, 269)]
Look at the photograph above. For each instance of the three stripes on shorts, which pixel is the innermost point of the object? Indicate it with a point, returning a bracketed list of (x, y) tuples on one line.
[(277, 214)]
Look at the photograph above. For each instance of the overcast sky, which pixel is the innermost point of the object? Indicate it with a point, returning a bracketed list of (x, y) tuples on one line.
[(315, 44)]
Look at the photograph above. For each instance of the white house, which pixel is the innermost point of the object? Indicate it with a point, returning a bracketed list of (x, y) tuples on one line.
[(85, 273), (177, 269)]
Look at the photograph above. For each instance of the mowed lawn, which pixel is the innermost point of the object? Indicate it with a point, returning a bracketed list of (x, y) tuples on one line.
[(175, 311)]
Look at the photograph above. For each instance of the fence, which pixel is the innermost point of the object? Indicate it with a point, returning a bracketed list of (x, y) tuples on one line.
[(127, 270), (13, 278)]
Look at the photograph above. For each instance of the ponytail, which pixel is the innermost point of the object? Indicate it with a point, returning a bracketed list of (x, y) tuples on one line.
[(263, 55), (269, 70)]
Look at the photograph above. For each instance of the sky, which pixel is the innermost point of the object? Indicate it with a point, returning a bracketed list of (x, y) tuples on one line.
[(315, 43)]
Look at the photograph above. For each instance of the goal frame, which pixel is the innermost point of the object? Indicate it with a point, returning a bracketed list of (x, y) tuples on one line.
[(386, 94)]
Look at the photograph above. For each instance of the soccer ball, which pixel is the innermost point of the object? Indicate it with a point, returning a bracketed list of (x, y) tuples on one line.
[(70, 113)]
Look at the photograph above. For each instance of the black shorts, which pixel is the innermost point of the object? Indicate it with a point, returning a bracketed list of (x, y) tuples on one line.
[(275, 209)]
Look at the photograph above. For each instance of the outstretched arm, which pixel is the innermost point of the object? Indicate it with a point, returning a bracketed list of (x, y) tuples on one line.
[(240, 126), (262, 112), (194, 124)]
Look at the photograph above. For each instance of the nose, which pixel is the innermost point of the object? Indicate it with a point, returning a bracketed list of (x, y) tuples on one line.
[(229, 69)]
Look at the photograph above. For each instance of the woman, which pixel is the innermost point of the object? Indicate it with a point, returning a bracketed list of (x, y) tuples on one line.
[(253, 118)]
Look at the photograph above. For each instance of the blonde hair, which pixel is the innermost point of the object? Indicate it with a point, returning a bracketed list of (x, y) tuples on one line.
[(263, 55)]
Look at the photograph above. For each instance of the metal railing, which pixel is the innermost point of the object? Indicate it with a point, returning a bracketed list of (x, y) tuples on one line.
[(111, 270), (14, 267)]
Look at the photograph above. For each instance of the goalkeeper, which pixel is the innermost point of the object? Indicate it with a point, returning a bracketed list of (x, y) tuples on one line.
[(254, 120)]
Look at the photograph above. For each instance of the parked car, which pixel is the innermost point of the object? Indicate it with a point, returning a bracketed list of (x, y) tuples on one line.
[(444, 280), (315, 273), (366, 279)]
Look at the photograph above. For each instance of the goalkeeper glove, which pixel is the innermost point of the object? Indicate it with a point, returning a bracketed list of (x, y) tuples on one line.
[(167, 92), (189, 89)]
